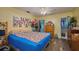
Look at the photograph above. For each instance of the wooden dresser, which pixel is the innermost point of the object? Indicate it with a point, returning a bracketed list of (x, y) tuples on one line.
[(3, 33), (74, 39), (49, 28)]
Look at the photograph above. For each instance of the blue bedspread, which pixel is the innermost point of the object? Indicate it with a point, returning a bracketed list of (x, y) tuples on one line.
[(26, 45)]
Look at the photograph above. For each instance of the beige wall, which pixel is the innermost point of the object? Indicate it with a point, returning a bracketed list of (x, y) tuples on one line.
[(76, 14), (57, 17), (56, 20), (6, 14)]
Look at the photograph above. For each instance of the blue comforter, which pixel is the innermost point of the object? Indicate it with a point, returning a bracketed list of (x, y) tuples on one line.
[(24, 44)]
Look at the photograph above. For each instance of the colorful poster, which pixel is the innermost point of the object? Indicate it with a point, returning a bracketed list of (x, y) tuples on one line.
[(20, 21)]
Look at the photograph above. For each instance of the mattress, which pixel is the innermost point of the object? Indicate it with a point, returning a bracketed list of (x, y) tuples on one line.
[(29, 41)]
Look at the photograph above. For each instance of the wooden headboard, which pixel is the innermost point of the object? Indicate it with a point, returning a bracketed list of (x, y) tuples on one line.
[(49, 27)]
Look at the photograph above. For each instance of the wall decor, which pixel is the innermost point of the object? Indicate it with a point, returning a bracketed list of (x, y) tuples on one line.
[(20, 21)]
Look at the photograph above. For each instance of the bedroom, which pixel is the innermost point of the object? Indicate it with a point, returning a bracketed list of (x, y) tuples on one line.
[(39, 28)]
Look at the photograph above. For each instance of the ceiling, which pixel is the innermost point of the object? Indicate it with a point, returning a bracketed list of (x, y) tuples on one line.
[(36, 11)]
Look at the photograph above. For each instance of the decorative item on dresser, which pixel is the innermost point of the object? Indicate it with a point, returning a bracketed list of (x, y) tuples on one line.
[(74, 39), (49, 27)]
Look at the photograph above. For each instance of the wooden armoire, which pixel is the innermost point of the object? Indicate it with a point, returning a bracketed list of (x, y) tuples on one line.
[(49, 27)]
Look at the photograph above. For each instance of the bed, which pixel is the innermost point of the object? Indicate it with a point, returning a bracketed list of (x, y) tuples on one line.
[(29, 41)]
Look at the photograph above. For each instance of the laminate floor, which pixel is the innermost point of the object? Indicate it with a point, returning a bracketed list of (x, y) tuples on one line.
[(58, 45)]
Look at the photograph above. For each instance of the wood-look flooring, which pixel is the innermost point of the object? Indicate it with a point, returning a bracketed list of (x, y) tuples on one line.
[(58, 45)]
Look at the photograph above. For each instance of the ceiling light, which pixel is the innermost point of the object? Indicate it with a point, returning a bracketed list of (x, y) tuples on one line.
[(43, 11)]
